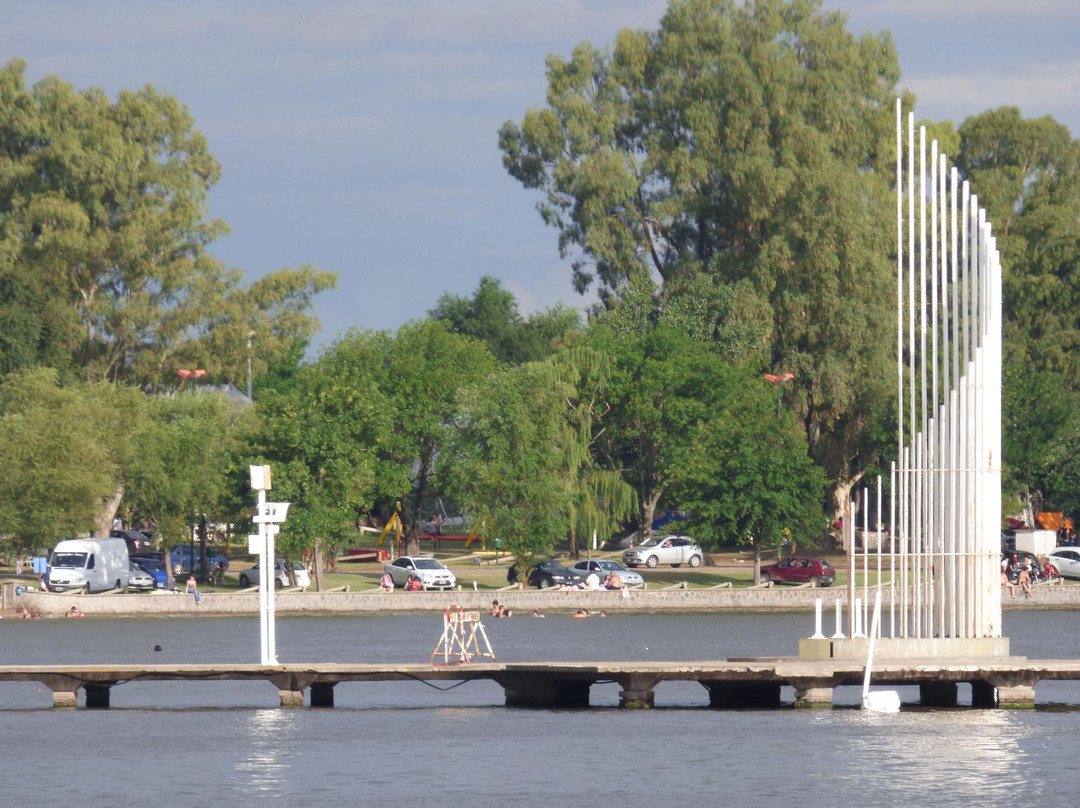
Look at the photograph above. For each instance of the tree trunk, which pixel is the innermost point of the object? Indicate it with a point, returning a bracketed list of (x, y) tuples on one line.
[(572, 543), (648, 510), (757, 562), (104, 520), (318, 566), (842, 501)]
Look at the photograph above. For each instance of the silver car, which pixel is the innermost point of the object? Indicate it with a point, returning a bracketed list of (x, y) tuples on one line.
[(603, 567), (138, 579), (430, 571), (673, 550)]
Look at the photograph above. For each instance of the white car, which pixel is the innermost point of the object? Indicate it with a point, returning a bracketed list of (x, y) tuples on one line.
[(1067, 561), (430, 571), (251, 577), (603, 567), (673, 550)]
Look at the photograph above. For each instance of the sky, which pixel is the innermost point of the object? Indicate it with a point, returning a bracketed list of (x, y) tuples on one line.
[(361, 137)]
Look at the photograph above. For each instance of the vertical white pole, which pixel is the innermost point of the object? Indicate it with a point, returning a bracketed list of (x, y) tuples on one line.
[(865, 553), (817, 621), (264, 631), (839, 633), (892, 549), (852, 609), (880, 522)]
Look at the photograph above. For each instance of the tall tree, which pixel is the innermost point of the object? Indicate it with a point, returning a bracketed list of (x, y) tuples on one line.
[(738, 141), (104, 262), (1026, 173)]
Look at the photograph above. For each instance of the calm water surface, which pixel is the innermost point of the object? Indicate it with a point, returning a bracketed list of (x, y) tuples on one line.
[(228, 743)]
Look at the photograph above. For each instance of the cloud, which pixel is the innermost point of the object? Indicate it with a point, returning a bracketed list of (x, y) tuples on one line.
[(933, 11), (1036, 90)]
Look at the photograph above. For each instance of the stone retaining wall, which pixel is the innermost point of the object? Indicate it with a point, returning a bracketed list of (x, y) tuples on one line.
[(521, 601)]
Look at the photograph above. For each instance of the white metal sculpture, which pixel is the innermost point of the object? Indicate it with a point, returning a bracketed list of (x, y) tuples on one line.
[(946, 509)]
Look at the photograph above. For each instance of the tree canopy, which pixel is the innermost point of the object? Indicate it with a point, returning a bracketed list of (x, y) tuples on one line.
[(104, 265), (739, 142)]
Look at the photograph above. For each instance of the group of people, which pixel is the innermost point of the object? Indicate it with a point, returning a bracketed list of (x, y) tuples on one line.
[(498, 610), (1014, 573)]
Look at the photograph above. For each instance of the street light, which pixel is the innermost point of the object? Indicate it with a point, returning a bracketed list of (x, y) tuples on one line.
[(188, 375), (776, 381)]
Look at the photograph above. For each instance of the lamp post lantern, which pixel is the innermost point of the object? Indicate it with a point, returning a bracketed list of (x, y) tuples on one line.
[(776, 381)]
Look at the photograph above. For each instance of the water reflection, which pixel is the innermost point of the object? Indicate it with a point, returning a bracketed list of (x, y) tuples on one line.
[(265, 767), (970, 754)]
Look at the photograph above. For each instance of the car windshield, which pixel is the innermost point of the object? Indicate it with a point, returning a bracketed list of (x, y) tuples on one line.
[(77, 560), (652, 541), (152, 566), (427, 564)]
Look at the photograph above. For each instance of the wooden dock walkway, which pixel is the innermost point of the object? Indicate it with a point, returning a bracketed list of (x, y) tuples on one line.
[(1005, 681)]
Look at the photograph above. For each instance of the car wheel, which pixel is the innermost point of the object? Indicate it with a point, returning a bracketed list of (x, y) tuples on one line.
[(651, 562), (117, 585), (277, 583), (695, 561), (815, 582), (244, 582), (764, 578), (85, 589), (547, 582)]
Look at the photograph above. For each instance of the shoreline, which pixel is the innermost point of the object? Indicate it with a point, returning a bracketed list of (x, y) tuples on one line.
[(522, 602)]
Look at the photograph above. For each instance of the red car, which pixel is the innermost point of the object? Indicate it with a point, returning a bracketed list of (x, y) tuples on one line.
[(800, 570)]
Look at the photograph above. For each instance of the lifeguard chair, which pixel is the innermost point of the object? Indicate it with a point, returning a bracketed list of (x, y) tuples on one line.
[(459, 643)]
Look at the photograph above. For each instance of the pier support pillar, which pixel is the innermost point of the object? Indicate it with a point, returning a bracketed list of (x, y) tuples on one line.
[(291, 698), (65, 689), (637, 690), (531, 690), (736, 695), (983, 694), (1018, 697), (322, 694), (937, 694), (65, 698), (814, 694), (97, 695)]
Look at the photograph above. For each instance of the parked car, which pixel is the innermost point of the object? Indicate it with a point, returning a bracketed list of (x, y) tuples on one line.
[(1066, 560), (155, 568), (139, 579), (604, 567), (800, 570), (547, 574), (136, 540), (673, 550), (253, 576), (180, 558), (430, 571)]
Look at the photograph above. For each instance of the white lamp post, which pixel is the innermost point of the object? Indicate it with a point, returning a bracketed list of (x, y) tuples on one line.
[(268, 517)]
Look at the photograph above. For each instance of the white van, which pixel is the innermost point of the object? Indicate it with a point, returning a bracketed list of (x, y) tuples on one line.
[(88, 565)]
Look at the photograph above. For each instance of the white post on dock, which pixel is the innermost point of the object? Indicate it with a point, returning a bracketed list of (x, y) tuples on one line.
[(839, 633), (268, 517), (817, 621)]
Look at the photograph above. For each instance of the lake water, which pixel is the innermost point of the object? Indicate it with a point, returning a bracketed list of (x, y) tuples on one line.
[(203, 743)]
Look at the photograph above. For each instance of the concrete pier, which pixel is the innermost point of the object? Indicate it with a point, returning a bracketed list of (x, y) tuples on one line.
[(1006, 682)]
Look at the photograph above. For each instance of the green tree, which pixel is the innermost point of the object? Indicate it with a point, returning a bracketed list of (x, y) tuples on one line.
[(745, 476), (104, 262), (492, 317), (1026, 173), (511, 438), (739, 141), (320, 437), (64, 451), (187, 454)]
